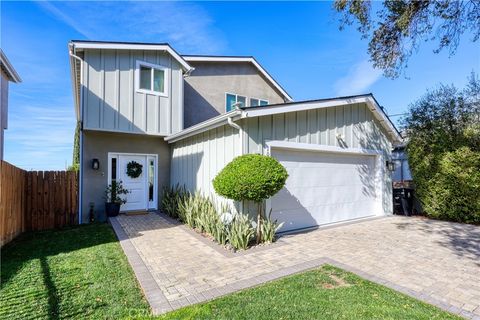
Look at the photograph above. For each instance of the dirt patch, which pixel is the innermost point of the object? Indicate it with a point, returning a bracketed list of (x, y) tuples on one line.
[(335, 282)]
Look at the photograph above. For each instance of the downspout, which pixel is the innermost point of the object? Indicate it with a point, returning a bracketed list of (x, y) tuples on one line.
[(80, 111), (241, 133)]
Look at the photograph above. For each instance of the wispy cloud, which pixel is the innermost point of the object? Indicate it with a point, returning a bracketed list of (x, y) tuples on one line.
[(360, 77), (40, 137), (188, 27)]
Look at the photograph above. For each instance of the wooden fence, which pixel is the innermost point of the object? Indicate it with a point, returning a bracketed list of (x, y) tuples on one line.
[(36, 200)]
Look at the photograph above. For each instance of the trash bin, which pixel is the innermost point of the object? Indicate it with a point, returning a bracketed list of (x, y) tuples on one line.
[(403, 201)]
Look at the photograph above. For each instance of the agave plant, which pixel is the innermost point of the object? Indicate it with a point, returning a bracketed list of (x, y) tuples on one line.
[(269, 228), (171, 199), (241, 232)]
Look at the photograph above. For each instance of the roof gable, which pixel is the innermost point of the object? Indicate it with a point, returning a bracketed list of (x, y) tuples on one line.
[(234, 59)]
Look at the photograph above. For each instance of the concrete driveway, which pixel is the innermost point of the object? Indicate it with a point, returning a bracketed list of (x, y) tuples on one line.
[(434, 261)]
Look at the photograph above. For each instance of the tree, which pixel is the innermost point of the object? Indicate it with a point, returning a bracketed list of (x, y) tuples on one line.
[(443, 149), (76, 150), (400, 27), (251, 177)]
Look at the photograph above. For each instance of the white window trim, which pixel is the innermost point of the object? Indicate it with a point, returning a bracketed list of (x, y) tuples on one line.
[(153, 66), (236, 99), (259, 105), (247, 100)]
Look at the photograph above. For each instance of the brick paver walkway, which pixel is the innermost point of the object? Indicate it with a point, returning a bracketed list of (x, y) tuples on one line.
[(437, 262)]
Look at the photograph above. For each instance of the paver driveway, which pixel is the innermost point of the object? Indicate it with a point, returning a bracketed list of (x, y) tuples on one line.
[(435, 261)]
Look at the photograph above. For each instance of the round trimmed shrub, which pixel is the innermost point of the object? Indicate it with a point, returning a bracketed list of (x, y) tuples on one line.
[(252, 177)]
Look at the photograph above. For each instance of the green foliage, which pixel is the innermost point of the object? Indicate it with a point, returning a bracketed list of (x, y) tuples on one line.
[(114, 191), (251, 177), (76, 148), (74, 167), (401, 26), (240, 232), (171, 198), (455, 187), (269, 228), (443, 151)]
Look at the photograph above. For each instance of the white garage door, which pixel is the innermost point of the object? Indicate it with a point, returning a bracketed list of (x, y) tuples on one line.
[(324, 188)]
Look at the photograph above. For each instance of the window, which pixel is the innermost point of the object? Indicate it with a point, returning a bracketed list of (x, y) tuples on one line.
[(257, 102), (151, 78), (151, 179), (231, 99), (114, 169)]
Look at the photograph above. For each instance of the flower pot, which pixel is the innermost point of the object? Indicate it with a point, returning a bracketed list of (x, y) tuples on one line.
[(112, 209)]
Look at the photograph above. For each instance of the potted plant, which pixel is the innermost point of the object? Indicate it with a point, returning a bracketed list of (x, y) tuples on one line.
[(113, 201)]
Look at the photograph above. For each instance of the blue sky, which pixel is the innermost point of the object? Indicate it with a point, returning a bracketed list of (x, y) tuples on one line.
[(298, 43)]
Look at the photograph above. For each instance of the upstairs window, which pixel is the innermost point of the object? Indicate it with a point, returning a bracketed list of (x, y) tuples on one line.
[(151, 78), (231, 99), (257, 102)]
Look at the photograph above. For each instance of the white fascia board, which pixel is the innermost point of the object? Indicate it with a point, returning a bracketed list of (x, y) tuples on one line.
[(242, 59), (310, 105), (134, 46), (205, 126), (10, 70)]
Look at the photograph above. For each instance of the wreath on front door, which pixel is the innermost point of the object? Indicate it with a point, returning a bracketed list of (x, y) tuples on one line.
[(134, 169)]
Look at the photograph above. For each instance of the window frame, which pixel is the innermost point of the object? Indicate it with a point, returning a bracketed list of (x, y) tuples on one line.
[(236, 99), (152, 66), (259, 105)]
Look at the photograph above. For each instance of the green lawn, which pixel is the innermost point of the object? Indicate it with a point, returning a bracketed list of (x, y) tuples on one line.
[(82, 273)]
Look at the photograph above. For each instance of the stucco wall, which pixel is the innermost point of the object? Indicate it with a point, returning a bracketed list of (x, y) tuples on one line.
[(111, 102), (3, 110), (205, 88), (98, 145)]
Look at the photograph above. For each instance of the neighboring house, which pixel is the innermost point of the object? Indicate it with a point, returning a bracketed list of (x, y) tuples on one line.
[(8, 74), (176, 116)]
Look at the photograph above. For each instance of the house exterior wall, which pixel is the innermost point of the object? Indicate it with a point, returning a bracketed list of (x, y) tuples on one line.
[(97, 145), (355, 122), (197, 160), (111, 103), (207, 85), (3, 109)]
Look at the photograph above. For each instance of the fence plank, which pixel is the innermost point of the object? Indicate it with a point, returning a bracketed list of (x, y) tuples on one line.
[(35, 200)]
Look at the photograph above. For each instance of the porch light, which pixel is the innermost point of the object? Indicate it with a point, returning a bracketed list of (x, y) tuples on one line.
[(390, 165), (95, 164)]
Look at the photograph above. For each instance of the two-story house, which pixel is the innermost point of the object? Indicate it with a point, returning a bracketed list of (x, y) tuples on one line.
[(182, 118), (7, 74)]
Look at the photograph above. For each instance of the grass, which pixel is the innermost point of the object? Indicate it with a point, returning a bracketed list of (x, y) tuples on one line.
[(74, 273), (82, 273)]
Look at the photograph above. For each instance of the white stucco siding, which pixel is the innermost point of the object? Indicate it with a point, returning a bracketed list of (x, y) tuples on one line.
[(197, 160), (112, 103)]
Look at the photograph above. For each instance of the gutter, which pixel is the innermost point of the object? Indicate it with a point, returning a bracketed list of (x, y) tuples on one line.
[(206, 125)]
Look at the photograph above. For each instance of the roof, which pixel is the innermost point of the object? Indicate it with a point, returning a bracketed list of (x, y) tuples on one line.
[(251, 112), (86, 44), (8, 68), (248, 59)]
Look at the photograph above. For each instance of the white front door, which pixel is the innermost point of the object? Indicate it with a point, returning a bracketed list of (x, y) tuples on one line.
[(142, 189)]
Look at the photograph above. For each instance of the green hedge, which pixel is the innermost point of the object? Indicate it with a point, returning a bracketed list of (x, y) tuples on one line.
[(453, 191), (252, 177)]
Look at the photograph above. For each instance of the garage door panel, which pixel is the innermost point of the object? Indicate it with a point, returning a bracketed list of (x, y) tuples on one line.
[(324, 188)]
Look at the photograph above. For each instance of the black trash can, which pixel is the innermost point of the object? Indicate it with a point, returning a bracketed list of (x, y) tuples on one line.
[(403, 201)]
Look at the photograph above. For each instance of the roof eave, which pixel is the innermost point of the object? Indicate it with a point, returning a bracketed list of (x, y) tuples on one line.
[(11, 72), (82, 45)]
